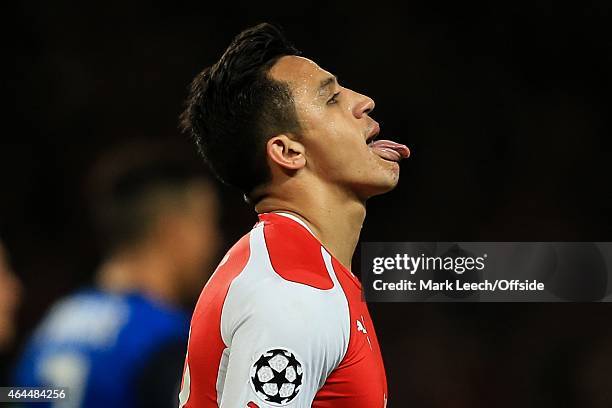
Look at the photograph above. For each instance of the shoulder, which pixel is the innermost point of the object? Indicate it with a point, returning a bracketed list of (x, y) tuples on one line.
[(286, 267), (288, 281), (87, 316), (295, 254), (159, 321), (214, 292), (279, 269), (269, 254), (96, 320)]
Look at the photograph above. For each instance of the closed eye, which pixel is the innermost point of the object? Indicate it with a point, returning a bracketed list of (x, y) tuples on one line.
[(334, 99)]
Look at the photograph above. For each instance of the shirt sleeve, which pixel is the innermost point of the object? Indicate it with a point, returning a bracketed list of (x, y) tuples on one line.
[(281, 347)]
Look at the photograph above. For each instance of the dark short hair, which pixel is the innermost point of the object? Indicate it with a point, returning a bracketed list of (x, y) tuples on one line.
[(126, 181), (234, 107)]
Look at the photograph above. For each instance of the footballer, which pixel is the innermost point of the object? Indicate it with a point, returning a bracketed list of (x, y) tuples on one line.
[(282, 322)]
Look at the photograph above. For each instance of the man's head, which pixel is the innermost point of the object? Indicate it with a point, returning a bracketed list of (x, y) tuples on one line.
[(263, 114), (152, 196)]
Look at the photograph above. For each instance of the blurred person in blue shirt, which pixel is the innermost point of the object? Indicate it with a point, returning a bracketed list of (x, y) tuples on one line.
[(121, 343)]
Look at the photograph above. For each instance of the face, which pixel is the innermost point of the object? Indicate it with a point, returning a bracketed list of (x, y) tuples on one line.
[(335, 129), (9, 300), (192, 236)]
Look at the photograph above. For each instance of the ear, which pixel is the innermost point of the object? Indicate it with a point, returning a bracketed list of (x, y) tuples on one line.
[(286, 152)]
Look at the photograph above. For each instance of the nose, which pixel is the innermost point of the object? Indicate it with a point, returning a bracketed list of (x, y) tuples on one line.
[(364, 106)]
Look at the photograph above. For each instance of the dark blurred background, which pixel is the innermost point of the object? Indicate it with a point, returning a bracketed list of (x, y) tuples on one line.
[(505, 106)]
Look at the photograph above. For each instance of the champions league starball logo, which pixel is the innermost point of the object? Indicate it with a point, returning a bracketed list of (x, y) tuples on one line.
[(276, 377)]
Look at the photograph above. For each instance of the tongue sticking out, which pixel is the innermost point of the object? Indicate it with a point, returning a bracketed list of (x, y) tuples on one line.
[(389, 150)]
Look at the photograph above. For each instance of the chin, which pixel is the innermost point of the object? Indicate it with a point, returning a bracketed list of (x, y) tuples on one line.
[(382, 189), (388, 178), (377, 187), (381, 178)]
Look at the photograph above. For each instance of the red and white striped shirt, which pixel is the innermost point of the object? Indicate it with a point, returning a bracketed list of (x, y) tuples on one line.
[(282, 323)]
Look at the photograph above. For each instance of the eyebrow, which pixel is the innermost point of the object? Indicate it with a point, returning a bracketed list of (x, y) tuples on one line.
[(326, 83)]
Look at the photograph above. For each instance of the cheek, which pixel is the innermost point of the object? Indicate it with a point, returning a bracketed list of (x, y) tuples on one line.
[(200, 242), (9, 290), (332, 159), (188, 242), (335, 146)]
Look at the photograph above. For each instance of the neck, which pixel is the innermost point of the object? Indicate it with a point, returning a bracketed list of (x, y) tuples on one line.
[(335, 218), (142, 271)]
